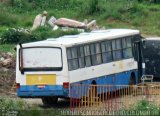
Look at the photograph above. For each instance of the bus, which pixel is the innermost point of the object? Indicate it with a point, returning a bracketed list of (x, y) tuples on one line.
[(46, 69), (148, 53)]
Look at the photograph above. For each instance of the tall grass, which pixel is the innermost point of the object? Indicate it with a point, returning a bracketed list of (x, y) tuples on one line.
[(108, 13)]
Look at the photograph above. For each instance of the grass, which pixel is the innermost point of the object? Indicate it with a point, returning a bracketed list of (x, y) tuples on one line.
[(8, 104), (18, 106), (108, 13), (7, 48), (144, 108), (138, 15)]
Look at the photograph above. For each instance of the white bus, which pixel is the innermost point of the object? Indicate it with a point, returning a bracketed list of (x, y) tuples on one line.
[(45, 69)]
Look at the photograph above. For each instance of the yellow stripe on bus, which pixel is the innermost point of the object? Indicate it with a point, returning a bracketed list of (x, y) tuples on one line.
[(39, 79)]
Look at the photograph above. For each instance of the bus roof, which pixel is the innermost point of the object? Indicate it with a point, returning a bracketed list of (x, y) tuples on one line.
[(92, 36), (88, 37), (153, 38)]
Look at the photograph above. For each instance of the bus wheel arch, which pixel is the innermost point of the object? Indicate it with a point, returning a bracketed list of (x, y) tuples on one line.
[(93, 82), (92, 93)]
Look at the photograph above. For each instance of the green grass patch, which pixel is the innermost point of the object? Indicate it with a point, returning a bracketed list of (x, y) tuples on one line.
[(8, 105), (108, 13), (142, 108), (7, 48)]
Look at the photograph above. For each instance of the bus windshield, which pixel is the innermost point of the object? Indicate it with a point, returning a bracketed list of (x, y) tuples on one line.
[(41, 58)]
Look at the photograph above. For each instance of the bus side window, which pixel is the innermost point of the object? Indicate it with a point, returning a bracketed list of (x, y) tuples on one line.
[(69, 56), (106, 51), (72, 57), (95, 54), (87, 55), (117, 49), (127, 47), (81, 57), (128, 41)]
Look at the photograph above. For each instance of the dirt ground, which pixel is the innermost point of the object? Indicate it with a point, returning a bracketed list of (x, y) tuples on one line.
[(7, 72), (7, 80)]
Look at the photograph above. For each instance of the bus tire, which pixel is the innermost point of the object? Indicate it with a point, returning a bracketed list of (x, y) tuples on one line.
[(49, 101), (93, 95), (131, 84), (132, 80)]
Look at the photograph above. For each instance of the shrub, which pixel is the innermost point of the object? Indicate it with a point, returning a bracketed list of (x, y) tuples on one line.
[(46, 32), (8, 106), (20, 35), (17, 36)]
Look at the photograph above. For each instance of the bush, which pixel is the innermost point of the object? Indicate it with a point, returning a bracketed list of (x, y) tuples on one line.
[(20, 35), (46, 32), (8, 105), (17, 36)]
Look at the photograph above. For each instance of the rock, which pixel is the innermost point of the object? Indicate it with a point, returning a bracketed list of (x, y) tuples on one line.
[(91, 25), (65, 22), (7, 62), (52, 21), (9, 53), (1, 59), (5, 69)]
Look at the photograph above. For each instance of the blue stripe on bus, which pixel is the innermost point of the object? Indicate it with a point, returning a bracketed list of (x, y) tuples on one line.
[(49, 90), (116, 79), (58, 90)]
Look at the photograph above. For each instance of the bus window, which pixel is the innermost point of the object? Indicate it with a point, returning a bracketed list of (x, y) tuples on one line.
[(117, 49), (118, 44), (106, 51), (108, 46), (87, 55), (127, 53), (72, 58), (113, 44), (103, 47), (127, 47), (69, 54), (37, 58), (81, 57), (95, 54), (124, 45), (128, 41)]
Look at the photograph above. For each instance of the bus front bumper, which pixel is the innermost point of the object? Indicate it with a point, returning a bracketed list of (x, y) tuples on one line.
[(36, 91)]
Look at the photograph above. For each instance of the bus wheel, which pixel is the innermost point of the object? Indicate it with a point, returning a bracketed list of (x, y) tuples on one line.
[(131, 84), (92, 95), (49, 101)]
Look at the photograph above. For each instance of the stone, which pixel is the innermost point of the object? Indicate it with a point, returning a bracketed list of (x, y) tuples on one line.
[(1, 59), (7, 62)]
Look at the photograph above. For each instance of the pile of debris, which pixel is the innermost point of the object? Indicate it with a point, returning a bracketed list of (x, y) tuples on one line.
[(7, 61), (63, 23), (7, 72)]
